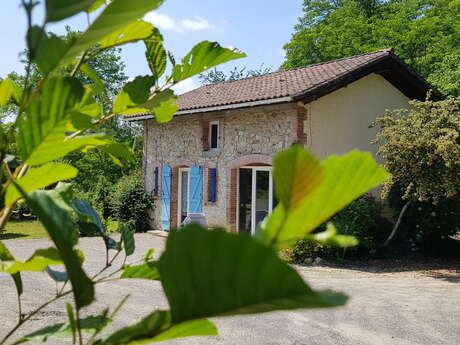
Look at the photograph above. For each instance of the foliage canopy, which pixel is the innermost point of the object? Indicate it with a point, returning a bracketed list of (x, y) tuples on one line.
[(421, 149), (424, 33)]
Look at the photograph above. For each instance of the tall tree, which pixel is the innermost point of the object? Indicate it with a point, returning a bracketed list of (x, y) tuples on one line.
[(97, 171), (422, 32), (215, 76), (107, 65)]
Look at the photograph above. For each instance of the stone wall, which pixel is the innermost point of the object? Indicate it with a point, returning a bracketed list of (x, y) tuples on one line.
[(246, 136)]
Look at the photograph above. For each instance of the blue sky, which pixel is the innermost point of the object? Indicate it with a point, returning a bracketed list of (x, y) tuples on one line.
[(260, 28)]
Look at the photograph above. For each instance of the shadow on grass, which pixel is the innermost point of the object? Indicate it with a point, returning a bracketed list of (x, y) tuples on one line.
[(11, 236)]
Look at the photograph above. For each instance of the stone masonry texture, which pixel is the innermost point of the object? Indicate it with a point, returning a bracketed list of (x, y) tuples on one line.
[(247, 136)]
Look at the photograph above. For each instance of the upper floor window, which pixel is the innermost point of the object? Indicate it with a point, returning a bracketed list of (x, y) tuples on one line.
[(213, 135)]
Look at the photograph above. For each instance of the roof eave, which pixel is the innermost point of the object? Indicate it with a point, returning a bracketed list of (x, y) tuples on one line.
[(216, 108), (379, 66)]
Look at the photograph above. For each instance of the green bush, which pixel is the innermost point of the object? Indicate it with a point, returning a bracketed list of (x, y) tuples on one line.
[(130, 202), (425, 225), (98, 196), (305, 249), (362, 219)]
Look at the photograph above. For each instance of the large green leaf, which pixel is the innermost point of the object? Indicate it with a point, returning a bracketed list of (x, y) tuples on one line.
[(63, 195), (191, 328), (46, 50), (55, 146), (88, 104), (40, 260), (40, 177), (136, 31), (60, 9), (90, 325), (9, 90), (47, 114), (297, 173), (214, 273), (330, 237), (117, 151), (310, 193), (157, 327), (57, 276), (61, 228), (202, 57), (148, 270), (84, 208), (162, 105), (91, 74), (87, 215), (134, 93), (127, 236), (50, 53), (5, 255), (156, 55), (96, 5), (147, 328), (72, 322), (117, 15)]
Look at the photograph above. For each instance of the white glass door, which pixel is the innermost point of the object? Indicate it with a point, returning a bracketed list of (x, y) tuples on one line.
[(255, 197), (183, 195)]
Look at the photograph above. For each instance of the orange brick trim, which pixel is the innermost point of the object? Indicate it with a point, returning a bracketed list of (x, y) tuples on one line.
[(302, 115), (175, 165), (254, 159), (205, 134), (232, 193)]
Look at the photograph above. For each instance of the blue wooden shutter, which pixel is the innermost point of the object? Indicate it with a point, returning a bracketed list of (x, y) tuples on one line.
[(196, 190), (212, 185), (166, 197), (155, 181)]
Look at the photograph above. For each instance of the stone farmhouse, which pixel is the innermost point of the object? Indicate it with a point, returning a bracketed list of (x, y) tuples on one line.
[(214, 158)]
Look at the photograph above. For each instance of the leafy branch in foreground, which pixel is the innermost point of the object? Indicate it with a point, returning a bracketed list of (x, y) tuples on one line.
[(204, 273)]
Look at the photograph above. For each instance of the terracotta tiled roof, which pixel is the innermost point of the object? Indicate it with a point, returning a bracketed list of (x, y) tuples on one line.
[(284, 83), (303, 84)]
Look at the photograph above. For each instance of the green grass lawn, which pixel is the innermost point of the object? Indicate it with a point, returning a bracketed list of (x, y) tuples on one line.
[(23, 229), (28, 229)]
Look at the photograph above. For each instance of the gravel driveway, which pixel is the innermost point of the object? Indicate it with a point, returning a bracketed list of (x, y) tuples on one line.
[(385, 308)]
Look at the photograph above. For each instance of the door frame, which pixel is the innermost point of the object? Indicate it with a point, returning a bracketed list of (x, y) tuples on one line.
[(254, 169), (179, 194)]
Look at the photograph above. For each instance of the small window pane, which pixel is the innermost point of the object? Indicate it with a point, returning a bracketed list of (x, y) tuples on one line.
[(212, 186), (155, 188), (214, 135)]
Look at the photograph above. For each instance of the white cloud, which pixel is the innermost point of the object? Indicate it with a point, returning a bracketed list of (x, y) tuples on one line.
[(167, 23), (161, 21), (185, 86), (198, 24)]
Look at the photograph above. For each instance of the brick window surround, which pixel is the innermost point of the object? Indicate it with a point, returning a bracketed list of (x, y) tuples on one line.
[(205, 134), (205, 131), (232, 185)]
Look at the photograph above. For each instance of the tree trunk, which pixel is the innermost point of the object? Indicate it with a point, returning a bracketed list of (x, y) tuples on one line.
[(398, 222)]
